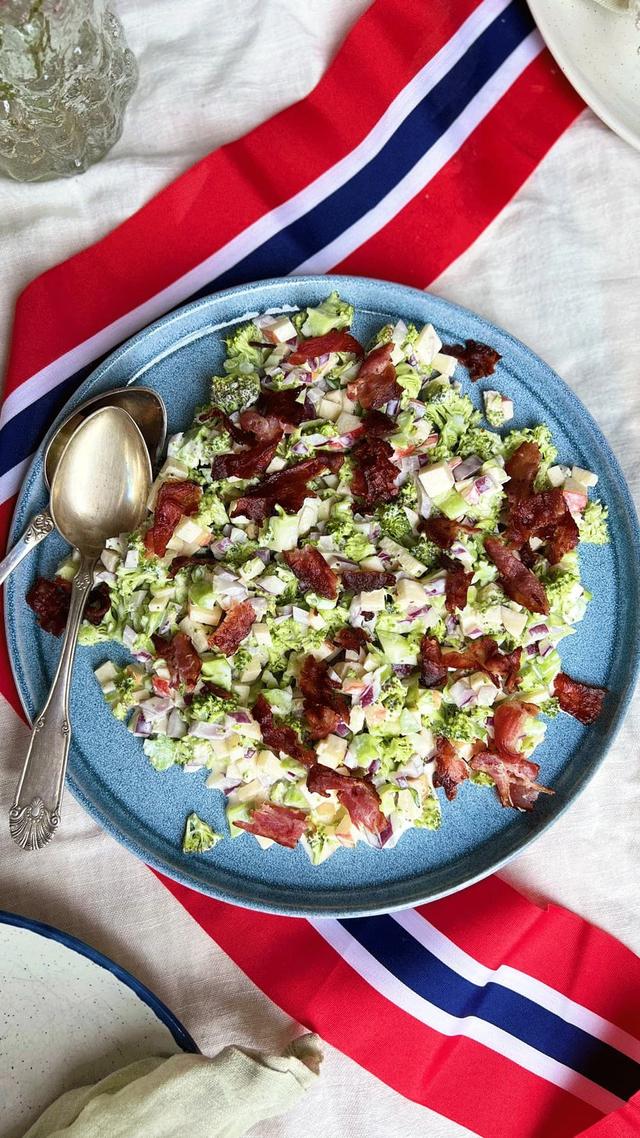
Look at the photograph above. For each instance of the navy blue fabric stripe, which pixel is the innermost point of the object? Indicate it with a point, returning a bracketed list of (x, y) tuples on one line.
[(282, 253), (436, 982), (415, 136)]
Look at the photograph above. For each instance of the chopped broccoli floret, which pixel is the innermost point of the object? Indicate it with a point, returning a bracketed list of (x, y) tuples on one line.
[(349, 540), (410, 381), (393, 694), (332, 314), (198, 836), (427, 552), (235, 392), (210, 708), (464, 726), (481, 779), (246, 351), (550, 707), (200, 445), (479, 441), (211, 510), (240, 552), (431, 816), (593, 526), (395, 523)]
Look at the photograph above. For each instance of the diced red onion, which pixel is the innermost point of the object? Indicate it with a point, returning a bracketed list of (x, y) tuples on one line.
[(202, 730), (409, 463), (139, 725), (342, 730), (531, 650), (156, 707), (239, 716), (142, 656), (484, 484), (176, 726), (538, 631), (435, 587), (467, 467), (392, 407), (544, 648)]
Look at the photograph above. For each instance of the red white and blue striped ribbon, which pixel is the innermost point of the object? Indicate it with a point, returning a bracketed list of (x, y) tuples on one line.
[(516, 1022)]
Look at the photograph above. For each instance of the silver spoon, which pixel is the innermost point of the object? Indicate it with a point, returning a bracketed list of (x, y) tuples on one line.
[(99, 490), (147, 411)]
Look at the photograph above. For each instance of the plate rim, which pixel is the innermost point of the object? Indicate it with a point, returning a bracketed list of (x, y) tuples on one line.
[(565, 62), (163, 1013), (411, 896)]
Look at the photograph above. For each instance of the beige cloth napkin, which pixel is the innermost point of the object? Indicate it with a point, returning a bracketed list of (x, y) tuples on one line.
[(186, 1094), (621, 5)]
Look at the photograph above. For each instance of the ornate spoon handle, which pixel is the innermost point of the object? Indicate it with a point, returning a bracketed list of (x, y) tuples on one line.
[(35, 814), (38, 528)]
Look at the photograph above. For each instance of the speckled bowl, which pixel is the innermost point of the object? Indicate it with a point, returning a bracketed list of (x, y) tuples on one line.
[(146, 810), (68, 1017)]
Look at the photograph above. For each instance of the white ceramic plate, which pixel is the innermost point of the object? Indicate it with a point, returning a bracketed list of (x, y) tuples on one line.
[(598, 50), (68, 1017)]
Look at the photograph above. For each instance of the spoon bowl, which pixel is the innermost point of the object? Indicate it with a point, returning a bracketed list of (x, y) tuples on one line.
[(143, 405), (148, 413), (99, 490), (101, 482)]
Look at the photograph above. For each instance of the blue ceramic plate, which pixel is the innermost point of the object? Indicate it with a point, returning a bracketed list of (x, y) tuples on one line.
[(146, 810)]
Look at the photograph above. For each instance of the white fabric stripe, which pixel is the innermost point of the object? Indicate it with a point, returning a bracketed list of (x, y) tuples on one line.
[(514, 980), (266, 226), (11, 480), (431, 163), (469, 1027)]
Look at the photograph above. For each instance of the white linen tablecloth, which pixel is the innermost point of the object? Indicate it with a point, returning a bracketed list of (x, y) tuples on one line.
[(558, 268)]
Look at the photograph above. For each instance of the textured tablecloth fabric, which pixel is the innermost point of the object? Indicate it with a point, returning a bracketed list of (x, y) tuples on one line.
[(558, 268)]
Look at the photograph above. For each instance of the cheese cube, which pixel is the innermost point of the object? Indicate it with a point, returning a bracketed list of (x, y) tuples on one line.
[(105, 673), (346, 423), (328, 409), (444, 364), (584, 477), (191, 531), (276, 463), (262, 635), (410, 593), (205, 616), (331, 751), (513, 621), (110, 560), (557, 475), (373, 601), (278, 330), (436, 480), (428, 344), (249, 791)]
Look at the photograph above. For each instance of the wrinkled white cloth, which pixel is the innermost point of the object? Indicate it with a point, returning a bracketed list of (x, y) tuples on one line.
[(624, 6), (559, 269), (223, 1097)]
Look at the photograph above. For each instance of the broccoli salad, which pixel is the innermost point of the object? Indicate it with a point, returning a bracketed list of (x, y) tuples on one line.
[(351, 588)]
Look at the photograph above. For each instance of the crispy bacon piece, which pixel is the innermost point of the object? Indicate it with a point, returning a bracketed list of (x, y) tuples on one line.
[(433, 669), (181, 658), (563, 537), (312, 571), (274, 413), (450, 770), (287, 488), (336, 341), (527, 516), (320, 720), (514, 779), (175, 500), (363, 580), (456, 585), (583, 701), (378, 424), (351, 639), (248, 462), (479, 359), (484, 654), (324, 705), (518, 582), (204, 558), (317, 686), (50, 602), (233, 628), (283, 824), (522, 468), (278, 735), (357, 794), (443, 531), (509, 719), (264, 428), (376, 382), (283, 406), (374, 478)]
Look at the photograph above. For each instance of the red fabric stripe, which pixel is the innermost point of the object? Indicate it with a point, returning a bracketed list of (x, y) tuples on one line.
[(467, 194), (230, 188), (588, 969), (624, 1123), (461, 1079)]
